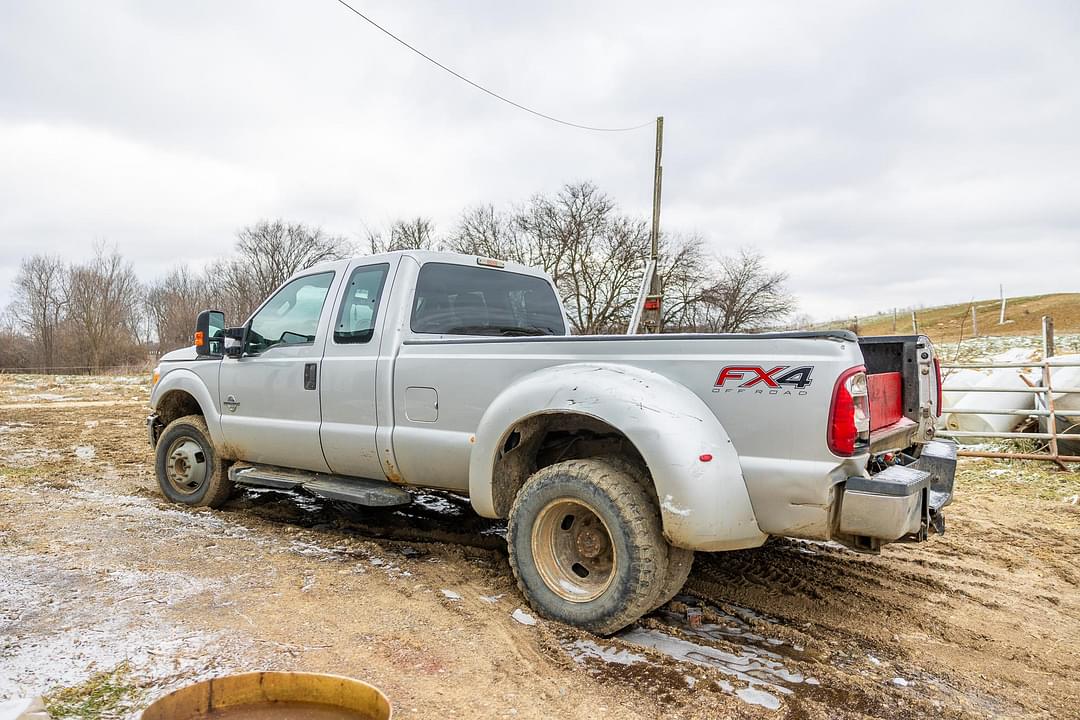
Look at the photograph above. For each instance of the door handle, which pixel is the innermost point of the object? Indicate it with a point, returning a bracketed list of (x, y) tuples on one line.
[(311, 371), (232, 403)]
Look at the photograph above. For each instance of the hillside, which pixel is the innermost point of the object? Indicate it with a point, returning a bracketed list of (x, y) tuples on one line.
[(1023, 316)]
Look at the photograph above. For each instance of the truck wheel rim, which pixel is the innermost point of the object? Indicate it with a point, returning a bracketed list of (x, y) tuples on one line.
[(185, 466), (573, 550)]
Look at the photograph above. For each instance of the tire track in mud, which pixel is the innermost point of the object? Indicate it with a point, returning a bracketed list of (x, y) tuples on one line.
[(907, 608)]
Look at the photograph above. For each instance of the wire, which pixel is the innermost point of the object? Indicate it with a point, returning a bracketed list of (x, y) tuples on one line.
[(481, 88)]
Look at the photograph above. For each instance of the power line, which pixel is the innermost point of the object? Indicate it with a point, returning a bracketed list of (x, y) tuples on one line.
[(481, 88)]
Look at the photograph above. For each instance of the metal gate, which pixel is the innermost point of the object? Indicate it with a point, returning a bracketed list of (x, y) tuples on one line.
[(1046, 390)]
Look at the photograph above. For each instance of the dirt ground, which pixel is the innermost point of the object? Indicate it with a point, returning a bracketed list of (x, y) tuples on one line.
[(110, 596)]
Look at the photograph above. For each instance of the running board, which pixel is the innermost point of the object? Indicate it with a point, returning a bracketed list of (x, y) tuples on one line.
[(361, 491)]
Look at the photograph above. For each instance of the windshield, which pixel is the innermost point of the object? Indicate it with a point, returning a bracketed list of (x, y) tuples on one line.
[(463, 300)]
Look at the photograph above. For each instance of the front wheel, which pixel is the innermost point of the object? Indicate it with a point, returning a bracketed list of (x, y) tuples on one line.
[(188, 469), (586, 545)]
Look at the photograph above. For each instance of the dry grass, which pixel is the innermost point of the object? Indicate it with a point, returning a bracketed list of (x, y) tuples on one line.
[(942, 324)]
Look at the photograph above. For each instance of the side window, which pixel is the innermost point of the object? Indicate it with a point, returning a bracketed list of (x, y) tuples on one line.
[(360, 305), (291, 317)]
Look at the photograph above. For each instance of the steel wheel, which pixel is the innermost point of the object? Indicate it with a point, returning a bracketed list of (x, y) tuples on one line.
[(186, 468), (573, 550)]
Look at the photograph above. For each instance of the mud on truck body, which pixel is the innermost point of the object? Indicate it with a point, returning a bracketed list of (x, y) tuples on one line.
[(613, 458)]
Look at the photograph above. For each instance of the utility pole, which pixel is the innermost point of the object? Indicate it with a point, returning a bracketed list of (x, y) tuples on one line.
[(653, 301)]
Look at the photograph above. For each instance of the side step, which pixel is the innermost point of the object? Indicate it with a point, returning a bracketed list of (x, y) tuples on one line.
[(361, 491)]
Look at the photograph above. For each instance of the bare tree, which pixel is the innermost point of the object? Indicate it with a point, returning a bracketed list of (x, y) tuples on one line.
[(746, 296), (40, 301), (104, 299), (487, 232), (16, 349), (267, 253), (595, 254), (173, 302), (417, 233), (684, 273)]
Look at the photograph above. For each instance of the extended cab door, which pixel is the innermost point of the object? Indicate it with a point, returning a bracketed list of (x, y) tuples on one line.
[(270, 396), (351, 367)]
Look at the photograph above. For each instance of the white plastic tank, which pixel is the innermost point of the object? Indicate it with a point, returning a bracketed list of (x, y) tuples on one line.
[(1066, 377), (955, 385), (985, 422)]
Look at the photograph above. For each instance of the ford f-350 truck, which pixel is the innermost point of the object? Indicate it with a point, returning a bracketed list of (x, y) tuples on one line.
[(613, 458)]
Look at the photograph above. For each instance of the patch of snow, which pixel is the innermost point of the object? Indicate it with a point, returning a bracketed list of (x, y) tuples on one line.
[(47, 397), (85, 452), (580, 650), (436, 503), (491, 599), (754, 696), (523, 617), (900, 682), (30, 457), (750, 665), (451, 595), (63, 625)]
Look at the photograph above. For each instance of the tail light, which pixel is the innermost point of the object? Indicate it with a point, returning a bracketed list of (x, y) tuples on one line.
[(849, 416), (937, 374)]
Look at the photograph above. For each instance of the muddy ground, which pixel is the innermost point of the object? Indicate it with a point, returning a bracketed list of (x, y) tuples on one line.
[(109, 596)]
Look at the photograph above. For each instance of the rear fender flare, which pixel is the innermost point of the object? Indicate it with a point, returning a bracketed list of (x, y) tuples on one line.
[(704, 505)]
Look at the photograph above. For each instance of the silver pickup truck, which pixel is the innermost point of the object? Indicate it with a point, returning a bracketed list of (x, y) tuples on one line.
[(613, 458)]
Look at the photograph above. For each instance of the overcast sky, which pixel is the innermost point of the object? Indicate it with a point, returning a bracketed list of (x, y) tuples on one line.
[(882, 153)]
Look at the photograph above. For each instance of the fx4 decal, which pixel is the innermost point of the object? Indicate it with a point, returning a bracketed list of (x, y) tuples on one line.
[(781, 377)]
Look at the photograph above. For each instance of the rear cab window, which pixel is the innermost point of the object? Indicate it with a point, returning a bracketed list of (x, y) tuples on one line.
[(462, 300)]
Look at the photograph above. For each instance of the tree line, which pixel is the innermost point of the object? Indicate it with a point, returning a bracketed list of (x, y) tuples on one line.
[(98, 314)]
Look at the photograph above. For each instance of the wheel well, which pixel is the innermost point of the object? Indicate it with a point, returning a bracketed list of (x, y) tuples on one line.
[(176, 404), (545, 439)]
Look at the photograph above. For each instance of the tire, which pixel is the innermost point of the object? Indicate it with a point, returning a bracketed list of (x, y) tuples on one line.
[(680, 560), (189, 470), (680, 563), (586, 545)]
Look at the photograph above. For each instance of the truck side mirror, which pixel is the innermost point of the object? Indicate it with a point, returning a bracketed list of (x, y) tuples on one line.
[(235, 339), (209, 327)]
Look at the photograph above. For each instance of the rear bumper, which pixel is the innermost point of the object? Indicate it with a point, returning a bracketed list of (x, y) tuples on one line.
[(901, 503)]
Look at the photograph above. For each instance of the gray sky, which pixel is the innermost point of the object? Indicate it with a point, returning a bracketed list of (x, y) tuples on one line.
[(882, 153)]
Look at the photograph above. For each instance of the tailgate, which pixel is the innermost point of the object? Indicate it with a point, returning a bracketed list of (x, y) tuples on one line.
[(902, 384)]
